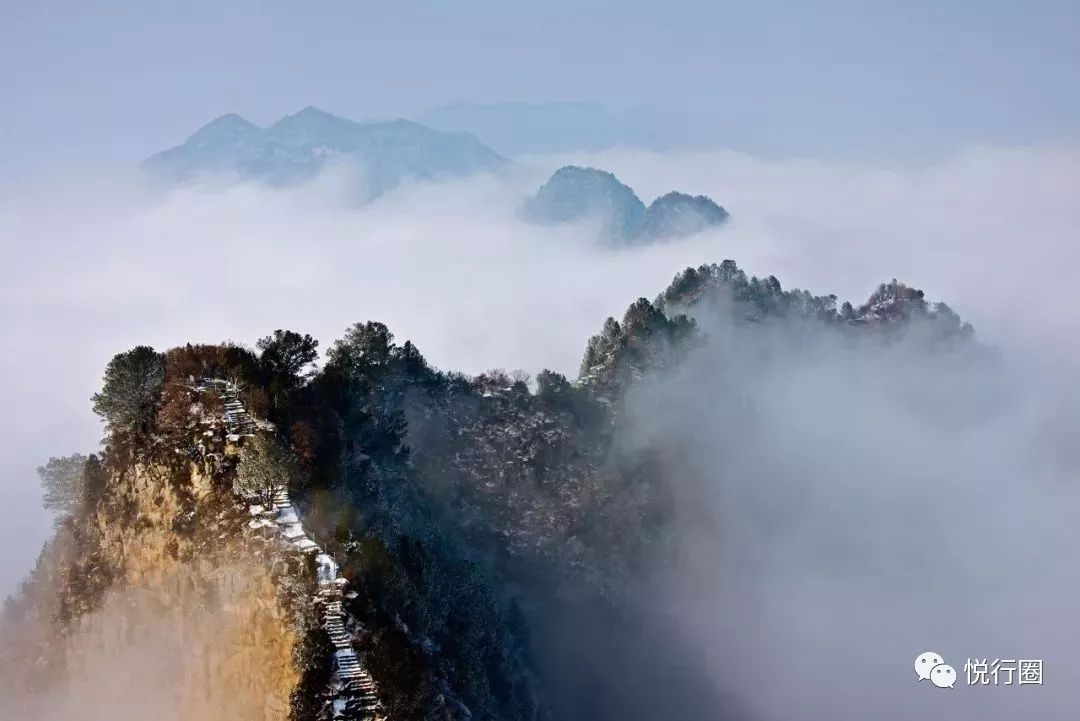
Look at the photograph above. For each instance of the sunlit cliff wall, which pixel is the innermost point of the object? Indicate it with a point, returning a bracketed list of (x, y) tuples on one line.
[(188, 621)]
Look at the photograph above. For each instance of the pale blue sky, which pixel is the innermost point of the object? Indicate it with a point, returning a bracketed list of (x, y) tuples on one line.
[(109, 82)]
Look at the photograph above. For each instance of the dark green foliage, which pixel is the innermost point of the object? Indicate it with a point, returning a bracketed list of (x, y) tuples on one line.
[(447, 600), (413, 566), (287, 354), (401, 672), (554, 391), (365, 349), (645, 338), (285, 362), (894, 310), (130, 392), (315, 658)]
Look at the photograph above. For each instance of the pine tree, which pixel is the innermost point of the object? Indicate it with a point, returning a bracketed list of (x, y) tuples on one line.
[(63, 483), (130, 391)]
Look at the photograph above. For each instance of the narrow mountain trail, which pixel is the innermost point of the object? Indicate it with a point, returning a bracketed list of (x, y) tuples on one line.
[(352, 691)]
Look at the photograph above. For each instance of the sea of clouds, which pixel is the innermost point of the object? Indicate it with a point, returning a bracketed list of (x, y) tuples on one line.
[(93, 266)]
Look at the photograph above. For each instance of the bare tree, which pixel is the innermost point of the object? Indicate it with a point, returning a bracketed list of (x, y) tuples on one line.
[(265, 468)]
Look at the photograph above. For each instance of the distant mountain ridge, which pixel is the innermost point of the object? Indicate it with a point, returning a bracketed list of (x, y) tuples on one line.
[(579, 193), (297, 147)]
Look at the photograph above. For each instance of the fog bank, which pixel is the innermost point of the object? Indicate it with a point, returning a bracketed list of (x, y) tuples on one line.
[(96, 265)]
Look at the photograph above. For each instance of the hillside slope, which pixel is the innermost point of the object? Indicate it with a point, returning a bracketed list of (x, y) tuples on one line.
[(502, 542)]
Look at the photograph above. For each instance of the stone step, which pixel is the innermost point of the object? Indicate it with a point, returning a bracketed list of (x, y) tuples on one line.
[(360, 696)]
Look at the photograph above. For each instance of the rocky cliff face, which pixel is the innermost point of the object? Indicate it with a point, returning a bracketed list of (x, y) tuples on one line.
[(158, 602)]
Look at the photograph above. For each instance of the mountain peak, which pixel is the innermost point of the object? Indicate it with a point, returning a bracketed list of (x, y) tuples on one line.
[(676, 214), (312, 113), (575, 192), (296, 147), (312, 125), (227, 127)]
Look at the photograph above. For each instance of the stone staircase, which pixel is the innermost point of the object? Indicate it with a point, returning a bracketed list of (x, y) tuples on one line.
[(352, 693), (238, 422), (353, 677)]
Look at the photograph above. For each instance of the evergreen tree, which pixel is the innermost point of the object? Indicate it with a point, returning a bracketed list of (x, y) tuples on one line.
[(63, 483), (130, 391), (287, 354)]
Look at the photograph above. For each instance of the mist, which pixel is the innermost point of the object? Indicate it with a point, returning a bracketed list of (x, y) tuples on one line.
[(821, 510), (97, 265), (842, 509)]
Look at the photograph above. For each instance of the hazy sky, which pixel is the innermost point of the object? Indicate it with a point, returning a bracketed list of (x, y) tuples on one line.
[(112, 82)]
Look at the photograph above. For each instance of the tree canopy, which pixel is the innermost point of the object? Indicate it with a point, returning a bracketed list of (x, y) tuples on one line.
[(288, 354), (265, 468), (130, 391), (63, 481)]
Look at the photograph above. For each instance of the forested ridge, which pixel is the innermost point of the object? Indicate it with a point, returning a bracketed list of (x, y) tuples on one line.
[(500, 530)]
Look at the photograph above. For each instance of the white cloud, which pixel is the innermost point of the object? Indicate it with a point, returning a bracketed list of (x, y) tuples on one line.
[(93, 266)]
